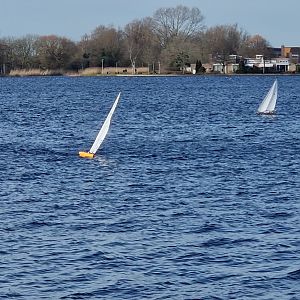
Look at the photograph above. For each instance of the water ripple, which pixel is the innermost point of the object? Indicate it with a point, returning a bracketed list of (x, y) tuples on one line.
[(192, 195)]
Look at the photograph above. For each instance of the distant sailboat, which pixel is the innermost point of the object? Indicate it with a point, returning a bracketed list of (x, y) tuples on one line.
[(102, 133), (268, 104)]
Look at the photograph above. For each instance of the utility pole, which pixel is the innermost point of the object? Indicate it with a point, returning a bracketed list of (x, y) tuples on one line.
[(102, 60)]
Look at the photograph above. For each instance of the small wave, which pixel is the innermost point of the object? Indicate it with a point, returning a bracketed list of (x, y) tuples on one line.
[(29, 176), (104, 161), (279, 215), (87, 295), (12, 295), (98, 255), (215, 278), (226, 241), (294, 275), (190, 257), (37, 224), (207, 228), (216, 242)]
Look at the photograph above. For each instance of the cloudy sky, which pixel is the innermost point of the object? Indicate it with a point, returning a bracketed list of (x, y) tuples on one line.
[(275, 20)]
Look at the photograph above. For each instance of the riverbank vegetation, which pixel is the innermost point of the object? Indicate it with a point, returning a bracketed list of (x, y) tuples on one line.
[(164, 43)]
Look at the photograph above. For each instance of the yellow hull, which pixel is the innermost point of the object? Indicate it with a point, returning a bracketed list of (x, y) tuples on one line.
[(86, 154)]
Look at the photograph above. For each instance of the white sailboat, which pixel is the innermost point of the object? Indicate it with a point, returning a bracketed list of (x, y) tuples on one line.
[(102, 133), (267, 106)]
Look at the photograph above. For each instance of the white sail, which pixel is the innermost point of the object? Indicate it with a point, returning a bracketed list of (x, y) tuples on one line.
[(104, 129), (272, 103), (269, 102)]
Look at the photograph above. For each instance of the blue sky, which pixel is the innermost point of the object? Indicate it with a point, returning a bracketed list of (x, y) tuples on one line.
[(275, 20)]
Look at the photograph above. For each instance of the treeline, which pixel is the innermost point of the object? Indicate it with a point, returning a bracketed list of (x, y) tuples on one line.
[(174, 37)]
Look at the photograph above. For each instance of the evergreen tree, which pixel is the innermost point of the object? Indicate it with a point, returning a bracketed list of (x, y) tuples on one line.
[(199, 67)]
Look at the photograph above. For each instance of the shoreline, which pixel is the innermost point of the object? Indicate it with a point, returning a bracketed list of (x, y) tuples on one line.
[(147, 75)]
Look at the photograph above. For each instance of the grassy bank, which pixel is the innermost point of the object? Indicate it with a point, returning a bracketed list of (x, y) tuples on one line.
[(35, 72)]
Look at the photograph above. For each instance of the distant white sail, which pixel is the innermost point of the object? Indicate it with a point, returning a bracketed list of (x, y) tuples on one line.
[(104, 129), (268, 104)]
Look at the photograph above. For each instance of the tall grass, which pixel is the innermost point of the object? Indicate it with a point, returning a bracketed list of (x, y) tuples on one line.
[(93, 71), (35, 72)]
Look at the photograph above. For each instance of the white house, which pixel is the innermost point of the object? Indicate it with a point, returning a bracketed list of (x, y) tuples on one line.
[(281, 64)]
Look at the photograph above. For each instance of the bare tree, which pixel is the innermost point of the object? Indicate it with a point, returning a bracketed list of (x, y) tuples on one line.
[(139, 41), (104, 43), (10, 56), (253, 45), (3, 56), (179, 53), (25, 52), (179, 21), (223, 40), (55, 52)]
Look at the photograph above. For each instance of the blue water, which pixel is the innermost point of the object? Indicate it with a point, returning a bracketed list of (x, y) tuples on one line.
[(192, 195)]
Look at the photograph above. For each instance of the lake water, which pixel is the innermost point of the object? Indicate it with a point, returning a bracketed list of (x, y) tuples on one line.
[(191, 196)]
